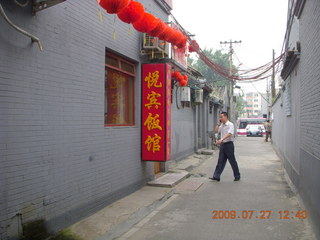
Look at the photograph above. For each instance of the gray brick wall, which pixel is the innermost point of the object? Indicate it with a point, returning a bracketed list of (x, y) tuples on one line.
[(183, 131), (310, 84), (286, 129), (310, 109), (297, 137), (58, 161)]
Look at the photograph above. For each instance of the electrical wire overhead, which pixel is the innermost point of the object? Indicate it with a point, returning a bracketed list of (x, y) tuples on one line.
[(256, 74), (259, 73)]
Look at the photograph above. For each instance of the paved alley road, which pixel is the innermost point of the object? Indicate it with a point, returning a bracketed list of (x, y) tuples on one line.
[(188, 215)]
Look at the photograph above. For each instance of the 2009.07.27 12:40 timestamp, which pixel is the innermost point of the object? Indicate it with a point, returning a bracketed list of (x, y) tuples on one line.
[(263, 214)]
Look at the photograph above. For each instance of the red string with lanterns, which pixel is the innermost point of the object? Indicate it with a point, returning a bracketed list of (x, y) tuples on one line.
[(181, 79), (133, 12), (159, 29), (113, 6), (130, 11), (146, 24)]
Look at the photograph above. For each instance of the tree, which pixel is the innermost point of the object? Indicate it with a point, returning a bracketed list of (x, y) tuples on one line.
[(241, 104), (210, 75)]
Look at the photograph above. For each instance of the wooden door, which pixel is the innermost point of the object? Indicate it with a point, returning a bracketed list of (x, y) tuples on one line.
[(157, 167)]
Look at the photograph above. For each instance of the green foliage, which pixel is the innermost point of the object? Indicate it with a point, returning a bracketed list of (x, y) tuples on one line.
[(241, 103), (210, 75)]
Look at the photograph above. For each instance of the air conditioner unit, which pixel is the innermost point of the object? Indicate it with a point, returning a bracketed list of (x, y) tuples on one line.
[(185, 94), (154, 44), (198, 96), (38, 5)]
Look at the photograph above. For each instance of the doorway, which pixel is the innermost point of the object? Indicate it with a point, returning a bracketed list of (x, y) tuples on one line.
[(157, 167)]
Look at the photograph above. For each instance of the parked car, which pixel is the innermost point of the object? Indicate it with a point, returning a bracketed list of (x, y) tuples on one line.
[(255, 130)]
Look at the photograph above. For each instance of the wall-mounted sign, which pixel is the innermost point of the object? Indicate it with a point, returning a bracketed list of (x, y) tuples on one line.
[(156, 112)]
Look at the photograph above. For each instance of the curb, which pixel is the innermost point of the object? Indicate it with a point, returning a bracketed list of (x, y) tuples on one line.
[(123, 227)]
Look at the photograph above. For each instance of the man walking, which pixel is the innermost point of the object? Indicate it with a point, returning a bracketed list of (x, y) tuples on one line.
[(226, 130), (268, 130)]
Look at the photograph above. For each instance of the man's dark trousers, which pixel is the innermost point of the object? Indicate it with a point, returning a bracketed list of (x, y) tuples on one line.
[(226, 152)]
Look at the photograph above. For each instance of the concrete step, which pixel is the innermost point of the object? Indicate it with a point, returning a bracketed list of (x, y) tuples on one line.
[(207, 152), (169, 180), (186, 164)]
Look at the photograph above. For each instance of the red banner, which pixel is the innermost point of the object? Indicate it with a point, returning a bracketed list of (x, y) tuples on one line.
[(156, 112)]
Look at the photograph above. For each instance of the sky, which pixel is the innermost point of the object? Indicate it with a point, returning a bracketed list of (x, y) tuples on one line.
[(259, 24)]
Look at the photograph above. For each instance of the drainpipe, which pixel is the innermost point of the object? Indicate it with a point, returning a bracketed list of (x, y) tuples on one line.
[(33, 38)]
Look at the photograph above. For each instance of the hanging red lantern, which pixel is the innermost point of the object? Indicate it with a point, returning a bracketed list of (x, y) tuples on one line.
[(194, 46), (113, 6), (159, 29), (178, 76), (173, 37), (146, 24), (167, 31), (132, 13), (183, 83), (175, 74), (178, 39), (186, 78), (183, 42)]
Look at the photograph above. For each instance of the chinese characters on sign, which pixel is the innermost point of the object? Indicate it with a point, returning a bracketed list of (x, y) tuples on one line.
[(156, 106)]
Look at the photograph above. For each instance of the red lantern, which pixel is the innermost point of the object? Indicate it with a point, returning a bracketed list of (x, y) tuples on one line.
[(178, 39), (183, 42), (183, 83), (167, 31), (159, 29), (146, 24), (173, 37), (113, 6), (132, 13), (178, 76), (186, 78), (194, 46)]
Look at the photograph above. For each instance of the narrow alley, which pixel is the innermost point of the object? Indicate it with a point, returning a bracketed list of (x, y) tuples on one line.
[(260, 200), (112, 113)]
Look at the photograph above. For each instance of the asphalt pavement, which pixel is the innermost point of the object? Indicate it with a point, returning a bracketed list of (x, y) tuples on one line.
[(260, 206)]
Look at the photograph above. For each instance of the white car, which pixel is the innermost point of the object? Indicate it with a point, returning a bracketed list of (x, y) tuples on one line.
[(255, 130)]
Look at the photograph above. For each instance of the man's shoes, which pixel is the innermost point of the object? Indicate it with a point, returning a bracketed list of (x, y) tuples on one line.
[(236, 179), (214, 179)]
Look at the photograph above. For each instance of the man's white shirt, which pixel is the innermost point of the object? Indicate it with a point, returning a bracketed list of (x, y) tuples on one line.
[(226, 128)]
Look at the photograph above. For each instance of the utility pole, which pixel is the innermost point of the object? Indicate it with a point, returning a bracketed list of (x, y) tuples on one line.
[(231, 111), (268, 100), (273, 88)]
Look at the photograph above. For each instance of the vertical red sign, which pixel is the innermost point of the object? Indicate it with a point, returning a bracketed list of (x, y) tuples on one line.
[(156, 112)]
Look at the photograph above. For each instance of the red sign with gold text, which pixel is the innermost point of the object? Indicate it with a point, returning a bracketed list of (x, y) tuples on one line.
[(156, 112)]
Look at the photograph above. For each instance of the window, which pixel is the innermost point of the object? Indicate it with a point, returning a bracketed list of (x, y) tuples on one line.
[(256, 105), (119, 91), (256, 111), (287, 97), (256, 100)]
